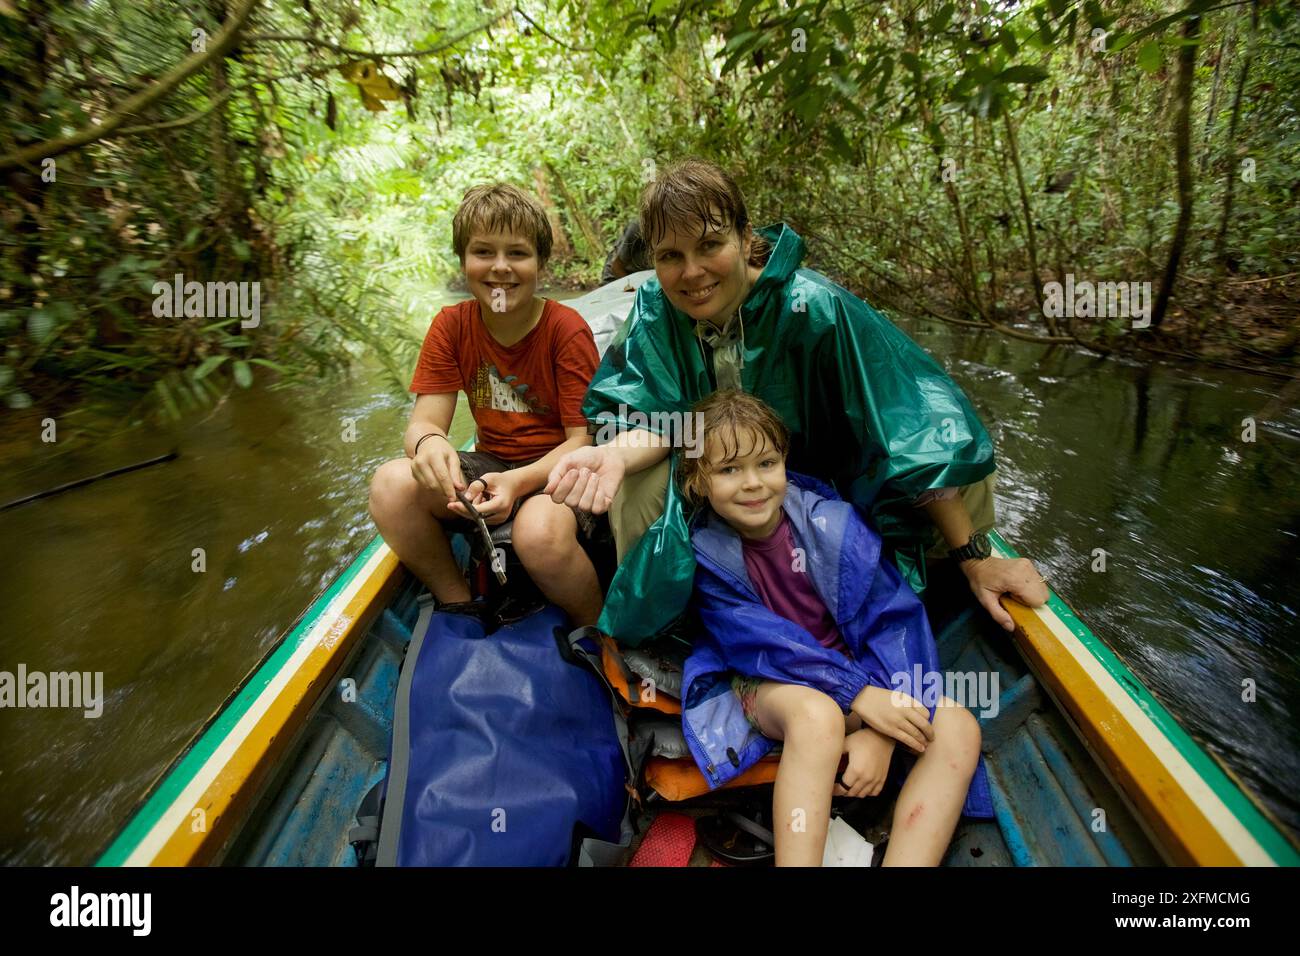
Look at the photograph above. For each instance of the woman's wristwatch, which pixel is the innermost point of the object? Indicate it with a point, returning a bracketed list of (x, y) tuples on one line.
[(977, 548)]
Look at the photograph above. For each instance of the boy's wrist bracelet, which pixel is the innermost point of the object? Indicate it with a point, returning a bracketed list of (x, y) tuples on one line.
[(430, 435)]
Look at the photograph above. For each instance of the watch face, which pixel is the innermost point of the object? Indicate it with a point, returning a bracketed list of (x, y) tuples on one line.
[(982, 545)]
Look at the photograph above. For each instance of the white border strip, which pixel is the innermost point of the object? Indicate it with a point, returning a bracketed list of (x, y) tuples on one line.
[(1222, 819), (324, 632)]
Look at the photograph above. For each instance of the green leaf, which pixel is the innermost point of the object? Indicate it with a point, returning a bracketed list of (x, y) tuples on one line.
[(243, 374), (940, 21), (240, 248), (40, 324), (1149, 56), (1023, 73), (839, 143), (276, 366), (209, 365)]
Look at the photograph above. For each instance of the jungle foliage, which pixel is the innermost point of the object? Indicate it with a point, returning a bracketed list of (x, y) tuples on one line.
[(941, 158)]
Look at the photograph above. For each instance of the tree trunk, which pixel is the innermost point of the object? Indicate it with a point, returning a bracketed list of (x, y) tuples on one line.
[(1031, 242), (1214, 99), (1183, 162), (561, 248), (579, 215), (1221, 240)]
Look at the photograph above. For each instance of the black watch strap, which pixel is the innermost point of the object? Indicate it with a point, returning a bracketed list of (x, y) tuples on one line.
[(978, 547)]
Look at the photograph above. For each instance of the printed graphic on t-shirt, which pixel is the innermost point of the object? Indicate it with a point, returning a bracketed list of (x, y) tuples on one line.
[(503, 393)]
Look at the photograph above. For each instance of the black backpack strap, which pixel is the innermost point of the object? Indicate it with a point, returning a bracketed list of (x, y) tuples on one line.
[(364, 837), (593, 852)]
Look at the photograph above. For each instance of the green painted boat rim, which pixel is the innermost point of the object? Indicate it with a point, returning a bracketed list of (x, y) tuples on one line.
[(191, 761)]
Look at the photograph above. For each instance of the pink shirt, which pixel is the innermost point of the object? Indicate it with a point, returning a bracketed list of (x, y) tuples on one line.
[(773, 567)]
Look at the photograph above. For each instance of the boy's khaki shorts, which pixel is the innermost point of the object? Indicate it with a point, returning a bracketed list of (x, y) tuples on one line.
[(640, 502)]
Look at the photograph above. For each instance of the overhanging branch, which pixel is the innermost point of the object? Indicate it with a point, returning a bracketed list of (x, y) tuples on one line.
[(373, 54), (134, 105)]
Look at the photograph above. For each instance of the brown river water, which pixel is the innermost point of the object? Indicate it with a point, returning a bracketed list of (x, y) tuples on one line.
[(1147, 462)]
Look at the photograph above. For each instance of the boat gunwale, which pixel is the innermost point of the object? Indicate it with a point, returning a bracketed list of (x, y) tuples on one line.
[(170, 785)]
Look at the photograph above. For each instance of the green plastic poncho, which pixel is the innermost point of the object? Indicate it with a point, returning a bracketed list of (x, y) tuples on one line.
[(867, 409)]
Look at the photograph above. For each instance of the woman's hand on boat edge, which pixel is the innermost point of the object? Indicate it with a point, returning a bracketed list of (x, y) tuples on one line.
[(991, 578), (586, 479)]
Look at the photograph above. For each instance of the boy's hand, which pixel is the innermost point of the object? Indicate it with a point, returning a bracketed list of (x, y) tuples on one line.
[(586, 479), (492, 495), (895, 715), (437, 467), (869, 754)]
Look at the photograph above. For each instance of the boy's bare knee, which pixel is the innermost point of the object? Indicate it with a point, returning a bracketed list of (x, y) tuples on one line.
[(390, 488), (541, 534)]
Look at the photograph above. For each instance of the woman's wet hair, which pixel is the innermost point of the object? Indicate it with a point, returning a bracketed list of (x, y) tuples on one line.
[(500, 207), (725, 415), (693, 194)]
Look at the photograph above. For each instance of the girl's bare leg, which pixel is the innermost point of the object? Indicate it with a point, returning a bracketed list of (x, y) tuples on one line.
[(931, 800), (811, 725)]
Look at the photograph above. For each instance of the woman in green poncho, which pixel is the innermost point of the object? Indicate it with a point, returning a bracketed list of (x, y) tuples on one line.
[(868, 410)]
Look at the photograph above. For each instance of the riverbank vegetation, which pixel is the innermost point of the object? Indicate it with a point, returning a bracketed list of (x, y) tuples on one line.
[(945, 159)]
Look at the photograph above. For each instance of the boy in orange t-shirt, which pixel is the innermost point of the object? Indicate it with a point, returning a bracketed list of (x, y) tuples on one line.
[(524, 363)]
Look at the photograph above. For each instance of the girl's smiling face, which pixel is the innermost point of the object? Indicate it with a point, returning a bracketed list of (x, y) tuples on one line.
[(501, 269), (703, 269), (746, 482)]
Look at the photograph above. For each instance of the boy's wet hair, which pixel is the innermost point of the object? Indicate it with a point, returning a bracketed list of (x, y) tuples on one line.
[(500, 207), (694, 194), (725, 414)]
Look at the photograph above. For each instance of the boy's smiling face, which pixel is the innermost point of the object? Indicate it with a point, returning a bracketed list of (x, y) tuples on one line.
[(501, 269), (746, 482)]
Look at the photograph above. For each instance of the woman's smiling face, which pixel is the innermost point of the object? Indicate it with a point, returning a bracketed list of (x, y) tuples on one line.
[(703, 269)]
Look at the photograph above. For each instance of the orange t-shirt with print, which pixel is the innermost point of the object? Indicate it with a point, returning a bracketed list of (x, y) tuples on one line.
[(522, 396)]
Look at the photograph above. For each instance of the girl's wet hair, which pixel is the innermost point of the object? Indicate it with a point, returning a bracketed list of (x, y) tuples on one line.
[(693, 194), (726, 414), (500, 207)]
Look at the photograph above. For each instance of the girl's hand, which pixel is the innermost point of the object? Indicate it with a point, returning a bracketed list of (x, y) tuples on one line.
[(869, 754), (492, 495), (586, 479), (896, 715), (437, 467), (991, 578)]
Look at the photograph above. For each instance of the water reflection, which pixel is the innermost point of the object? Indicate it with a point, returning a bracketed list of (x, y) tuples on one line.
[(1198, 527)]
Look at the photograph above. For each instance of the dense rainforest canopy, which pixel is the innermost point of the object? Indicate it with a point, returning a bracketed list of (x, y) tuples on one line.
[(942, 158)]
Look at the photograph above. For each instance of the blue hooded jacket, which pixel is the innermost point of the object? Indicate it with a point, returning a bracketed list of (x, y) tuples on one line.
[(880, 618)]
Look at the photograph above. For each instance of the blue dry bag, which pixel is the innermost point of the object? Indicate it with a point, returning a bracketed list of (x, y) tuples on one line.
[(505, 753)]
